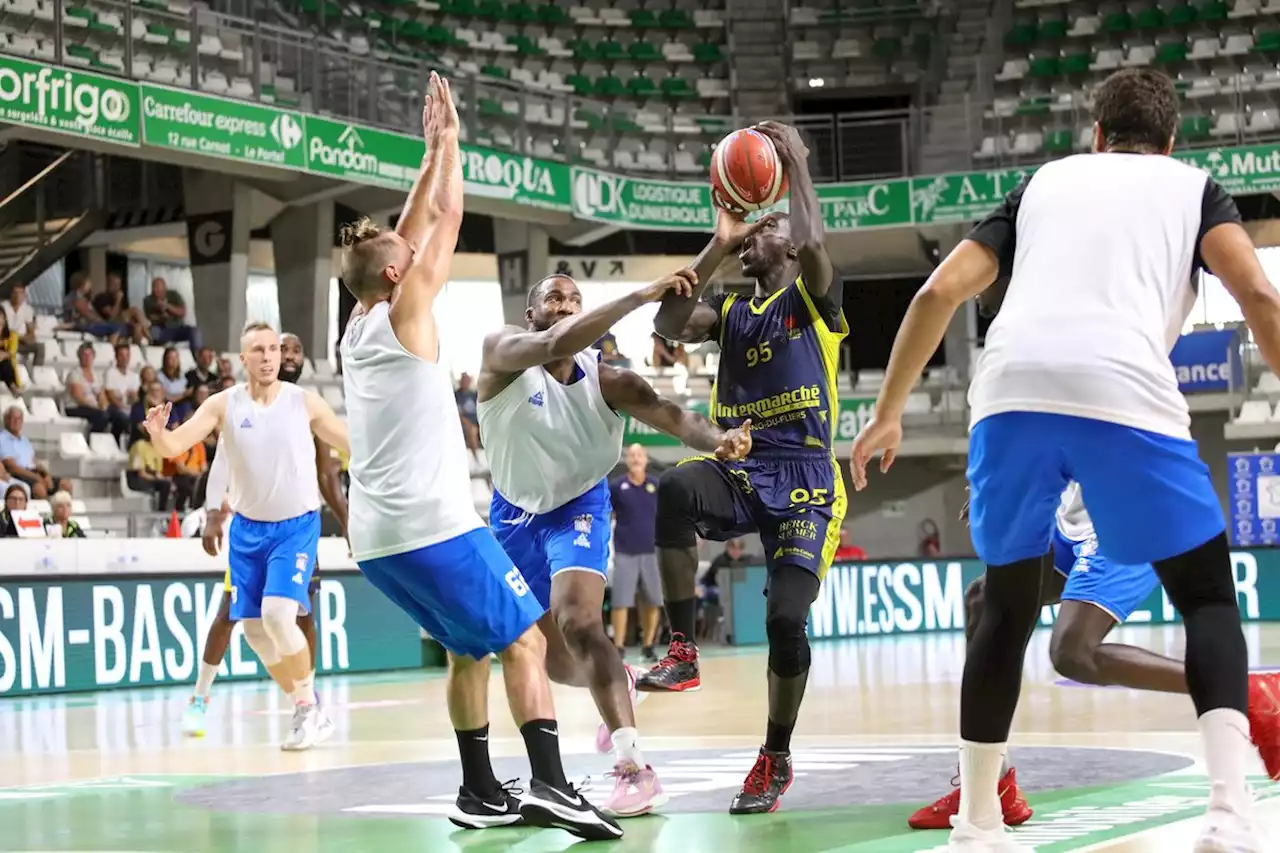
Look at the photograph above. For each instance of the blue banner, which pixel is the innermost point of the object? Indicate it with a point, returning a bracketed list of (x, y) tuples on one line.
[(1255, 498), (1207, 361)]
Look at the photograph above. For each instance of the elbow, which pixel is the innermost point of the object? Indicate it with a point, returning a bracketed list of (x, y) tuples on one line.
[(667, 326)]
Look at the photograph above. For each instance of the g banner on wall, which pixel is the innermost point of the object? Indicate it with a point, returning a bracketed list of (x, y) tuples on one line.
[(1255, 498), (1208, 361), (93, 633), (911, 597)]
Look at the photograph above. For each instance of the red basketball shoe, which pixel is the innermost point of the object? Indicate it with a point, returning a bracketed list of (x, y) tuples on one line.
[(1264, 719), (938, 815), (676, 673)]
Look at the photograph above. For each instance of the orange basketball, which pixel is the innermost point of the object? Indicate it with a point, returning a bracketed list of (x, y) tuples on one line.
[(746, 173)]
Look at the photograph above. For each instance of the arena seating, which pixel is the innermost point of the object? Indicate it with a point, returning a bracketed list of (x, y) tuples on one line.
[(642, 87), (1222, 56), (860, 44)]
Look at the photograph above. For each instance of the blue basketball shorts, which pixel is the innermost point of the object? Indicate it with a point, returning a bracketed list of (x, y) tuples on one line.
[(573, 537), (271, 558), (1149, 495), (1092, 578), (465, 592)]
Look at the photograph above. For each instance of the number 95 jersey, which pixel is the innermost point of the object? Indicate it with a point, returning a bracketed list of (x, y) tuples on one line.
[(778, 361)]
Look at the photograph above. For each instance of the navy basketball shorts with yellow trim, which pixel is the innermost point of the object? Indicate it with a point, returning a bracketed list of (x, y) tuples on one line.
[(795, 500)]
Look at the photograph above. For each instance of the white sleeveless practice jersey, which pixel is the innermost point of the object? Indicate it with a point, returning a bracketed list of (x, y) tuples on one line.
[(550, 443), (410, 482), (1073, 519), (271, 455)]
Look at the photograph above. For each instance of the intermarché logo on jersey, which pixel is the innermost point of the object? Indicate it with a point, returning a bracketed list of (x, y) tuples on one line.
[(40, 95)]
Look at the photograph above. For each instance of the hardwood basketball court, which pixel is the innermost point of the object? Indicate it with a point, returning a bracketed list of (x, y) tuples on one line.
[(1106, 769)]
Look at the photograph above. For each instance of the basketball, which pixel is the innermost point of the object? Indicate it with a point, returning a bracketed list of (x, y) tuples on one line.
[(746, 173)]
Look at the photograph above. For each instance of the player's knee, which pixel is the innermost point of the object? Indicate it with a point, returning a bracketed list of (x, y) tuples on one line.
[(279, 617), (1072, 655), (974, 592), (673, 526), (529, 647), (788, 642), (578, 627)]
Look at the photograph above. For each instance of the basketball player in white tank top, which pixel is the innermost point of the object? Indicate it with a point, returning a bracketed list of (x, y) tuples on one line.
[(414, 532), (267, 429), (551, 418)]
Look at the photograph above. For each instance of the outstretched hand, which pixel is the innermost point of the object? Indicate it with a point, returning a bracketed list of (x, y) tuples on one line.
[(786, 139), (880, 435), (439, 114), (681, 281), (736, 443), (157, 420)]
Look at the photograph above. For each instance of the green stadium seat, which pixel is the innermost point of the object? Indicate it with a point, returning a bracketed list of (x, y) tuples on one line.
[(642, 87), (708, 51), (490, 10), (521, 13), (1059, 141), (525, 46), (643, 51), (462, 8), (489, 108), (678, 88), (1045, 66), (1171, 53), (611, 51), (583, 50), (1182, 15), (624, 124), (1053, 30), (704, 159), (495, 71), (1149, 18), (644, 19), (887, 48), (82, 52), (1036, 105), (608, 86), (1195, 127), (581, 84), (590, 118), (1022, 35), (554, 15), (1213, 10), (1117, 23), (675, 19), (1076, 63), (1267, 42)]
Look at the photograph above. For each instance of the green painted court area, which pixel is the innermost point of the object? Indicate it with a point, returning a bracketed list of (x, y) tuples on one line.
[(139, 813)]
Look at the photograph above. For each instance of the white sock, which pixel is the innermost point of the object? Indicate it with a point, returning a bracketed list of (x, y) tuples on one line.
[(626, 746), (204, 681), (980, 765), (1227, 752), (304, 690)]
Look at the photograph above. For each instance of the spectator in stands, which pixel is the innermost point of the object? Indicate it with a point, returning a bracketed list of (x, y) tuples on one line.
[(64, 484), (166, 312), (146, 472), (176, 390), (225, 368), (19, 457), (112, 305), (78, 312), (847, 550), (609, 352), (205, 371), (8, 357), (225, 381), (21, 318), (153, 395), (61, 524), (465, 397), (86, 398), (120, 384), (15, 500), (667, 353), (185, 471)]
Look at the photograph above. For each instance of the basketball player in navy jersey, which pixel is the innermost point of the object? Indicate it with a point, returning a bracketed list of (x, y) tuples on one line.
[(779, 355)]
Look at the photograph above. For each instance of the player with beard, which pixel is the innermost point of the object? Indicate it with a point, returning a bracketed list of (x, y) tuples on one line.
[(779, 353), (551, 417), (217, 511)]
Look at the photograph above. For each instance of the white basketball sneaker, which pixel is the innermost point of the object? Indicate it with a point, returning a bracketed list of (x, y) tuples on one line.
[(1225, 830), (310, 726), (967, 838)]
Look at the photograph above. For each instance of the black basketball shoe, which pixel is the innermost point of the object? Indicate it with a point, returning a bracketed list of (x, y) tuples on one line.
[(498, 809), (768, 780), (676, 673), (552, 808)]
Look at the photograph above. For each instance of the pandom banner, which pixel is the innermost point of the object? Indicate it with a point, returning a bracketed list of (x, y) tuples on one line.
[(98, 632), (94, 106)]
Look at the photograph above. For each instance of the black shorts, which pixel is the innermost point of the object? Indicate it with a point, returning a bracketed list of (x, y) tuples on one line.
[(795, 501)]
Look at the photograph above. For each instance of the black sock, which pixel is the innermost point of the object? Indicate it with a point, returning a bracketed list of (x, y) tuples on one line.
[(542, 741), (777, 736), (477, 772), (683, 616)]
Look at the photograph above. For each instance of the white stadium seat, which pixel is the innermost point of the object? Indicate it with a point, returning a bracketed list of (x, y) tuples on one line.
[(1254, 412), (73, 445)]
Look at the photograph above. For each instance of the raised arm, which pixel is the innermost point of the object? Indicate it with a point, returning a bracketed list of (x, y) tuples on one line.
[(325, 423), (627, 392), (689, 319), (512, 349), (172, 442), (330, 486), (418, 215), (807, 232), (437, 203)]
